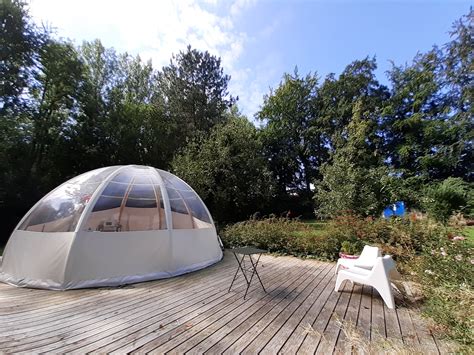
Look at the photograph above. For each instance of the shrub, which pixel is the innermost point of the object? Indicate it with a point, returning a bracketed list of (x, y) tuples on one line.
[(352, 247), (402, 238), (443, 199), (283, 236)]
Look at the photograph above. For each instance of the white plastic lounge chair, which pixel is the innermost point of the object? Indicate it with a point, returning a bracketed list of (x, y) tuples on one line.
[(366, 260), (379, 277)]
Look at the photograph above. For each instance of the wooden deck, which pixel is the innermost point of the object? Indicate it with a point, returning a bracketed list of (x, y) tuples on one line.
[(195, 313)]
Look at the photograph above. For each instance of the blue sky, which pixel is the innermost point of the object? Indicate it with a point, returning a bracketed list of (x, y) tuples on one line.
[(259, 40)]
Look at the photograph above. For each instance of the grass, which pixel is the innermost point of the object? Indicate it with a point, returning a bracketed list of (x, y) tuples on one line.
[(470, 233), (316, 225)]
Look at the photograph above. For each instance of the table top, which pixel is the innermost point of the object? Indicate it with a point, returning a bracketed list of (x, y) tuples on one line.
[(248, 250)]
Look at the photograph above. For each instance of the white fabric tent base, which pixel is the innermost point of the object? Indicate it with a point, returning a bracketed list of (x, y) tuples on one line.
[(94, 259)]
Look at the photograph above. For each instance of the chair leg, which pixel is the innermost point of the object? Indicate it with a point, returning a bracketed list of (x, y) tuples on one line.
[(385, 291), (339, 281)]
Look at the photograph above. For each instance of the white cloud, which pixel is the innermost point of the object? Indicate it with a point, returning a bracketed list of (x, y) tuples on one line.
[(239, 5), (157, 29)]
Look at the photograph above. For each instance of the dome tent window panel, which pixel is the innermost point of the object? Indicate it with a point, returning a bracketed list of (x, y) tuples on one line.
[(180, 214), (199, 212), (185, 201), (142, 179), (61, 209), (94, 176), (107, 203), (114, 189), (142, 192), (137, 207), (175, 182)]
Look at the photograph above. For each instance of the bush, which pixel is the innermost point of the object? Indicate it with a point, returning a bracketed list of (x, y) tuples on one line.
[(403, 238), (443, 199), (283, 236)]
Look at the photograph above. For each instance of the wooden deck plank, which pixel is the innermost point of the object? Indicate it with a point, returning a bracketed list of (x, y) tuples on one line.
[(425, 336), (280, 337), (83, 313), (48, 310), (333, 327), (219, 328), (344, 345), (328, 298), (153, 326), (365, 312), (314, 335), (288, 315), (234, 325), (378, 320), (82, 295), (93, 322), (196, 313), (175, 299), (409, 336), (254, 326), (182, 332)]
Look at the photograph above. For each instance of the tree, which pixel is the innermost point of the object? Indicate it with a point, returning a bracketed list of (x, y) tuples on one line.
[(54, 106), (293, 141), (458, 64), (194, 94), (20, 41), (338, 96), (428, 120), (355, 178), (226, 170)]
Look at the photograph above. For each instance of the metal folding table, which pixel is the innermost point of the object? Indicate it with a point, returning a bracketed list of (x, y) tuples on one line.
[(242, 266)]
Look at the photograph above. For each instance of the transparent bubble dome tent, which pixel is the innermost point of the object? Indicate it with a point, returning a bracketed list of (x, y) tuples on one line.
[(111, 226)]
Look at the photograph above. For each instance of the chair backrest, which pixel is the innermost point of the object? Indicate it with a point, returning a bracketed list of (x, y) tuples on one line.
[(368, 257), (383, 267)]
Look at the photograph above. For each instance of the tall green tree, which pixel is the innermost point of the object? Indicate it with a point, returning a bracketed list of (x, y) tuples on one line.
[(54, 106), (355, 179), (91, 137), (337, 98), (20, 43), (227, 171), (425, 135), (458, 77), (293, 141), (195, 94)]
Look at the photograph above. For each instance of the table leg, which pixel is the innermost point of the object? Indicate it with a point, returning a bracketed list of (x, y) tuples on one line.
[(239, 262), (256, 272)]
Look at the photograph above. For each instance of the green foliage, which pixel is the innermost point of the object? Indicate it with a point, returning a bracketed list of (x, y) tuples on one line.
[(292, 139), (282, 235), (194, 91), (225, 171), (352, 247), (20, 43), (446, 271), (449, 196), (429, 113), (355, 178)]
